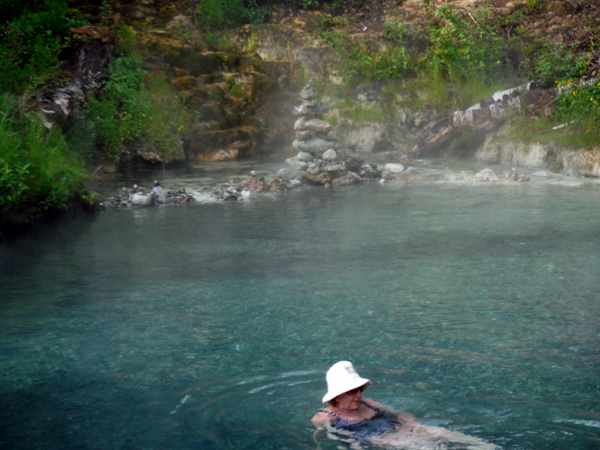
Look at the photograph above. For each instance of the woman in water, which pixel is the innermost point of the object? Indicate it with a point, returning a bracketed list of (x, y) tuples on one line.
[(349, 418)]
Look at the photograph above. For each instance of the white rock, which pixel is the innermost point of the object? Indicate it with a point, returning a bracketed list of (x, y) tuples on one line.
[(304, 156), (330, 155), (313, 146), (141, 199), (393, 168), (293, 183), (160, 194), (295, 164), (540, 173), (486, 175)]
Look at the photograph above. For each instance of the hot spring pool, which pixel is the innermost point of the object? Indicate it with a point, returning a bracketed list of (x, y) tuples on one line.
[(211, 326)]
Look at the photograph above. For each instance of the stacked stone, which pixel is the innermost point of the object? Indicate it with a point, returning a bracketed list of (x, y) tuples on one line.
[(312, 132)]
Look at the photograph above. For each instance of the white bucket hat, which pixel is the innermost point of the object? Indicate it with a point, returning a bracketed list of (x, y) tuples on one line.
[(342, 377)]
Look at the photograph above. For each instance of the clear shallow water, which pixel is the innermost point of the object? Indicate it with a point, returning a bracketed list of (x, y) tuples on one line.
[(211, 325)]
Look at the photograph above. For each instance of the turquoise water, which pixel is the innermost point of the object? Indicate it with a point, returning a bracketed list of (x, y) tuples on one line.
[(210, 326)]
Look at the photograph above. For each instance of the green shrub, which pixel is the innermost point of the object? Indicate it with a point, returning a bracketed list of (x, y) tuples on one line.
[(124, 40), (38, 171), (363, 114), (31, 44), (553, 64), (130, 108), (236, 90), (579, 105), (460, 49), (227, 13), (362, 60)]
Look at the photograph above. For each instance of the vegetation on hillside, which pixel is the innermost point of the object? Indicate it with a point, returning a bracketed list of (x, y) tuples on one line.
[(457, 56), (44, 171)]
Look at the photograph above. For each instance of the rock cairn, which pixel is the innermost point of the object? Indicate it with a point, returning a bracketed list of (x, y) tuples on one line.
[(317, 157)]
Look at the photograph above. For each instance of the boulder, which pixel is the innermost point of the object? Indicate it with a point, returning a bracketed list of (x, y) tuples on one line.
[(253, 184), (161, 196), (313, 146), (277, 186), (293, 183), (318, 126), (142, 199), (313, 168), (349, 178), (305, 135), (310, 110), (393, 168), (330, 155), (581, 162), (296, 164), (226, 193), (334, 167), (369, 171), (304, 157), (353, 162), (486, 175), (320, 179), (361, 137)]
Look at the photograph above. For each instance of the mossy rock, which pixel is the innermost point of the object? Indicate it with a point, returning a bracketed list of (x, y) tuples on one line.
[(216, 92), (185, 82), (210, 112), (204, 142), (249, 63), (194, 60)]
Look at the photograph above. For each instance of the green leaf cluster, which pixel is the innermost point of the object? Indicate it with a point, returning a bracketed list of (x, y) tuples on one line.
[(462, 47), (579, 107), (363, 60), (32, 42), (132, 105), (38, 171), (552, 64), (228, 13)]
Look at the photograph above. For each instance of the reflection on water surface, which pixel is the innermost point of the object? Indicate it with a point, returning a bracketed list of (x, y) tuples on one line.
[(211, 325)]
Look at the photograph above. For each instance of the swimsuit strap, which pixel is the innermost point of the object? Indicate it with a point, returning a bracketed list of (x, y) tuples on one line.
[(339, 419), (331, 414)]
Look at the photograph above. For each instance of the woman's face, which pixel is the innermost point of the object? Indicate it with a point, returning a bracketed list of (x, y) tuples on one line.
[(350, 399)]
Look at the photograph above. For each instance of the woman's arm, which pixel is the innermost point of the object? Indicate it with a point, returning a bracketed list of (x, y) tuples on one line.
[(322, 422)]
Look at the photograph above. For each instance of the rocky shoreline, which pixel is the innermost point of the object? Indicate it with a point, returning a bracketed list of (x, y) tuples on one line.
[(320, 162)]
